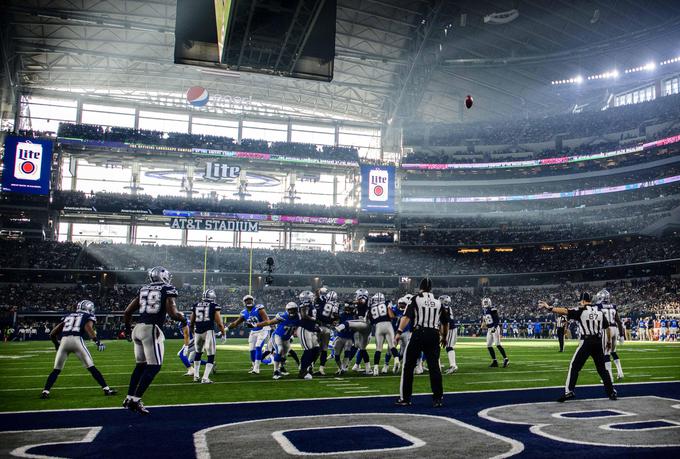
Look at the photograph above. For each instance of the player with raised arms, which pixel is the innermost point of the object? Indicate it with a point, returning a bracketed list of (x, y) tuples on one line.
[(72, 328), (251, 315), (154, 302), (204, 315)]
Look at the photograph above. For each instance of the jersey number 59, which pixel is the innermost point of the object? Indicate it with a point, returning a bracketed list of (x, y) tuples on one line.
[(149, 301)]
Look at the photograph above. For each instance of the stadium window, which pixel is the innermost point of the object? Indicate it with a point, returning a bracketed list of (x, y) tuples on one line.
[(272, 132), (158, 181), (675, 83), (160, 235), (311, 241), (163, 122), (108, 115), (210, 126), (113, 179), (218, 239), (45, 114), (629, 99), (318, 135), (87, 232), (366, 140)]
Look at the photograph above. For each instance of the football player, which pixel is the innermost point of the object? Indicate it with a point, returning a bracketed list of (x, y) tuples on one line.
[(491, 320), (673, 336), (204, 316), (344, 340), (452, 336), (72, 328), (154, 302), (616, 332), (405, 336), (326, 303), (515, 329), (308, 334), (362, 330), (286, 323), (251, 315), (188, 350), (381, 317), (663, 330)]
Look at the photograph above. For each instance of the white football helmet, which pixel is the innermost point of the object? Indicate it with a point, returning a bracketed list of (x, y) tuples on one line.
[(445, 300), (306, 297), (378, 298), (209, 295), (159, 274), (603, 296), (292, 308), (85, 306), (486, 302), (248, 300)]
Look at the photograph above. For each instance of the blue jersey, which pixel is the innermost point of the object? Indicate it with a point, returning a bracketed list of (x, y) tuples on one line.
[(253, 316), (398, 313), (326, 311), (347, 333), (308, 322), (204, 315), (378, 313), (152, 301), (490, 317), (74, 324), (642, 324), (674, 323), (505, 325), (515, 325), (286, 325), (663, 323)]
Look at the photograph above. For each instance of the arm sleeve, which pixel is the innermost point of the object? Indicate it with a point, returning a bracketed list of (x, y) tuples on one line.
[(444, 316), (573, 314), (411, 310)]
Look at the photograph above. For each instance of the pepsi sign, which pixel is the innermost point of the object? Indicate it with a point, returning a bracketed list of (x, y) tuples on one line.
[(377, 188), (27, 165)]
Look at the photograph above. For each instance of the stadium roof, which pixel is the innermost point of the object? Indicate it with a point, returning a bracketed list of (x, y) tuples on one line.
[(395, 59)]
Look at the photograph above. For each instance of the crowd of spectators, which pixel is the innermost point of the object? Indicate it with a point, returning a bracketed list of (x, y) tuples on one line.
[(569, 126), (115, 202), (140, 137), (432, 260)]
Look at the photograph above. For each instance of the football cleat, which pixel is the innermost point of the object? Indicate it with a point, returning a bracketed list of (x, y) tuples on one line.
[(397, 367), (190, 372), (277, 375), (418, 370), (45, 395), (320, 372), (356, 367), (451, 370), (402, 402), (619, 376), (567, 396), (126, 403), (197, 378), (613, 395), (308, 376), (437, 403), (340, 372), (284, 371), (254, 372), (376, 370), (494, 364), (506, 362), (206, 381), (108, 392), (385, 369), (137, 407), (214, 370)]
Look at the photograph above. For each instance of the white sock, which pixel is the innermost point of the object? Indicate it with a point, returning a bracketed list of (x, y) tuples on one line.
[(208, 369), (277, 365), (197, 368), (452, 358), (617, 362), (608, 367), (256, 365)]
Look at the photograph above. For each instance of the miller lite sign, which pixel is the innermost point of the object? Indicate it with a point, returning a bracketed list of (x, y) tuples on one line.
[(377, 188), (26, 165), (220, 171)]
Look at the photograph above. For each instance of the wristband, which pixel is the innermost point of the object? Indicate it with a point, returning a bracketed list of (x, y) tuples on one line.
[(97, 341), (400, 331)]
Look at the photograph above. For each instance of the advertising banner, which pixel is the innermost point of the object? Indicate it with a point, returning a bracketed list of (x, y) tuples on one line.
[(377, 188), (27, 165)]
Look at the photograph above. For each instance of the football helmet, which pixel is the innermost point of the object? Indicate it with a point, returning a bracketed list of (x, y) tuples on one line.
[(292, 309), (602, 296), (209, 295), (248, 300), (159, 274), (360, 294), (445, 300), (332, 296), (306, 297), (85, 306), (402, 303), (378, 298), (486, 302), (349, 308)]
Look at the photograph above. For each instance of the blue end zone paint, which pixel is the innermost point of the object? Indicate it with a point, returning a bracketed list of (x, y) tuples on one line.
[(168, 431), (591, 414), (341, 439), (642, 425)]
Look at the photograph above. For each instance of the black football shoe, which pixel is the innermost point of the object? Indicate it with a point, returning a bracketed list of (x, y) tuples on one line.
[(613, 395), (506, 362), (138, 407), (437, 402), (567, 396), (494, 364), (402, 402), (45, 395), (108, 392)]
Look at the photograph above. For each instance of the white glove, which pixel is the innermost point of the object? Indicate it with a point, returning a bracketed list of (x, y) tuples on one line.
[(224, 339), (185, 351)]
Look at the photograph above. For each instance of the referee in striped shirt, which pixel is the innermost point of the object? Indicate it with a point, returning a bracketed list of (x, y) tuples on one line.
[(430, 324), (592, 324)]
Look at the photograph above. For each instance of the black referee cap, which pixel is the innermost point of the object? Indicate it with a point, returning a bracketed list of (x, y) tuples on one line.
[(426, 284), (585, 296)]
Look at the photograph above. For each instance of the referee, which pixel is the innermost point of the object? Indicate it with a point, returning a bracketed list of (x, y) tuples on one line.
[(430, 324), (560, 329), (592, 324)]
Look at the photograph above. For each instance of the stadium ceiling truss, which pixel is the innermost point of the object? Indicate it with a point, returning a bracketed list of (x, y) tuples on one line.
[(395, 59)]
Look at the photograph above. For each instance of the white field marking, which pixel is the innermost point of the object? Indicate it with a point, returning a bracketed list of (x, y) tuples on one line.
[(203, 452), (290, 448), (619, 413), (362, 391), (250, 402), (16, 357), (537, 429), (674, 425), (506, 380), (663, 377), (21, 451)]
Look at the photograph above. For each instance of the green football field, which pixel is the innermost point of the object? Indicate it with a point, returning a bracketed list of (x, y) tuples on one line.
[(533, 363)]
